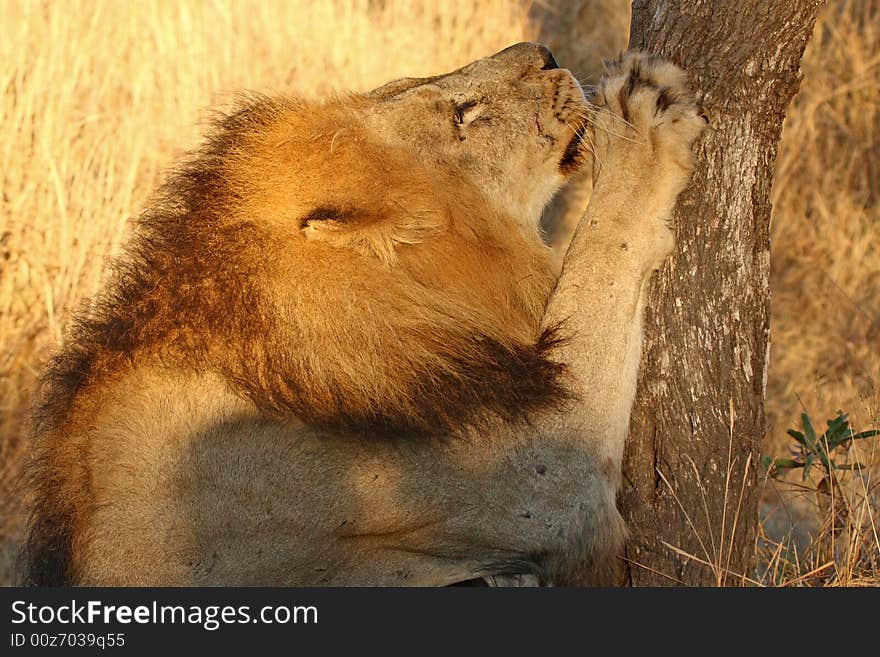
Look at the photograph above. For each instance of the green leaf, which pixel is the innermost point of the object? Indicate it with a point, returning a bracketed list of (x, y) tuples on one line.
[(810, 433), (836, 425), (851, 466), (866, 434), (833, 442), (808, 463), (797, 435)]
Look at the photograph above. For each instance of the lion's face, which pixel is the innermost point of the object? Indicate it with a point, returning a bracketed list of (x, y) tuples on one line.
[(511, 123)]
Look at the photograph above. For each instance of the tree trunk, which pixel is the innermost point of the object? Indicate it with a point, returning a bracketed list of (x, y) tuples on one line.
[(689, 489)]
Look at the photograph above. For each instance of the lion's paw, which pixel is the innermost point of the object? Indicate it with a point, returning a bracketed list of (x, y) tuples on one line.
[(646, 121)]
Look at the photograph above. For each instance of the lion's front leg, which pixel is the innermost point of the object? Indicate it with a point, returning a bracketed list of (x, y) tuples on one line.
[(644, 126)]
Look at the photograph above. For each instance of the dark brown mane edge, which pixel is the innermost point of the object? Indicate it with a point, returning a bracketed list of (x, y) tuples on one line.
[(490, 380), (123, 321)]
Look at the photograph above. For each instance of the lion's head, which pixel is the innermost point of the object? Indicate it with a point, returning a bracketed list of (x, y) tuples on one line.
[(511, 124)]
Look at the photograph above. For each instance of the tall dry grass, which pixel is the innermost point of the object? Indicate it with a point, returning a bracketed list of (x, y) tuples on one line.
[(99, 97), (826, 227), (825, 281)]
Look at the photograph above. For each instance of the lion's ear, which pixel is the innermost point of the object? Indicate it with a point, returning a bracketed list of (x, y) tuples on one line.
[(371, 232)]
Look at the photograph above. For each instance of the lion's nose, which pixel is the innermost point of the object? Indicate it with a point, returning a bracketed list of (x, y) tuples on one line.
[(528, 55)]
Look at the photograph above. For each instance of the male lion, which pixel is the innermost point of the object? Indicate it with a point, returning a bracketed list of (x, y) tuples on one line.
[(331, 354)]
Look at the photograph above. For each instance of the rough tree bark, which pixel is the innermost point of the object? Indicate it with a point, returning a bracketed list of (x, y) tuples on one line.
[(690, 466)]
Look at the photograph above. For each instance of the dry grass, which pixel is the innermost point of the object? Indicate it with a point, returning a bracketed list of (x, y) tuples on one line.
[(825, 282), (99, 97), (826, 228)]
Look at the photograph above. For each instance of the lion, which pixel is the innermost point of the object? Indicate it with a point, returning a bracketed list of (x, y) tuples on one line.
[(336, 350)]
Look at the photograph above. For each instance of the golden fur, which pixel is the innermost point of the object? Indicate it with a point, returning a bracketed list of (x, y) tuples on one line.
[(325, 356)]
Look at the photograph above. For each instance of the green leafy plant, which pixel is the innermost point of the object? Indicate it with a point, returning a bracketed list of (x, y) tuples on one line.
[(840, 504), (825, 449)]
